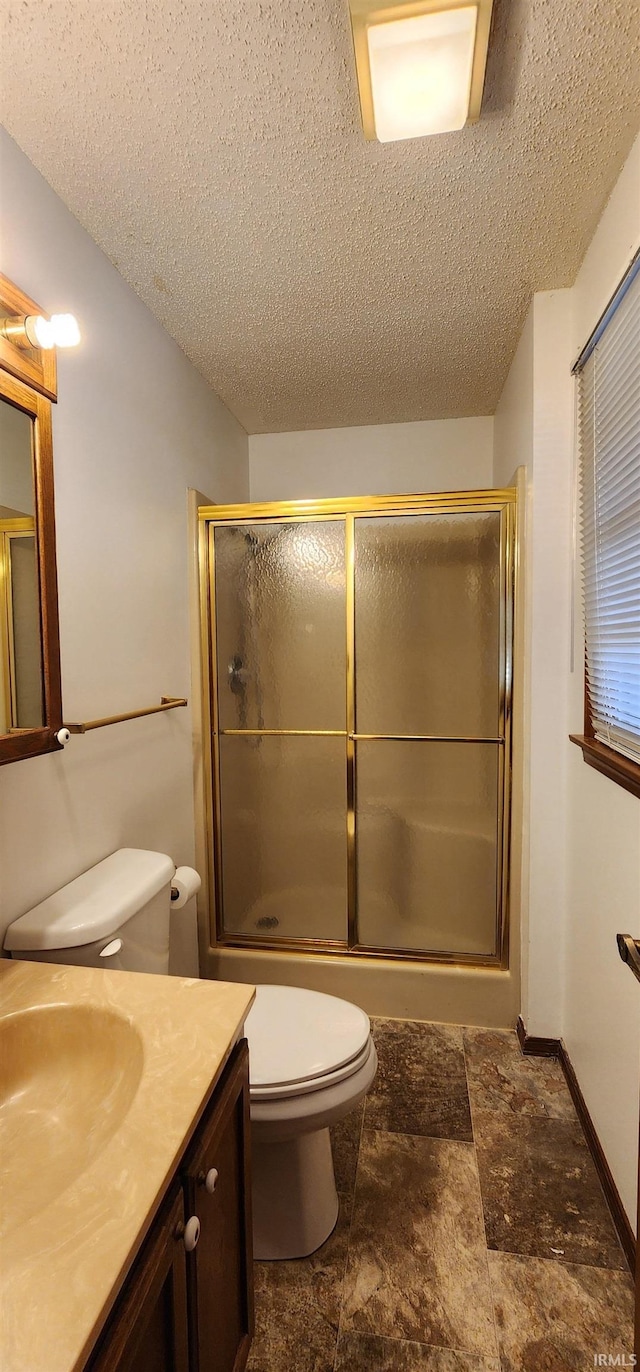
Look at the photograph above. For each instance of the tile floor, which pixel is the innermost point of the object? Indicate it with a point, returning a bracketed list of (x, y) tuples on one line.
[(473, 1233)]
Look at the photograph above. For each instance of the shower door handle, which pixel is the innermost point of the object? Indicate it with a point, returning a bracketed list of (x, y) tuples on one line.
[(629, 950), (238, 675)]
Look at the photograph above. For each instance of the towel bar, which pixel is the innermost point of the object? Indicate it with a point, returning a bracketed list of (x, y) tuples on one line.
[(166, 703)]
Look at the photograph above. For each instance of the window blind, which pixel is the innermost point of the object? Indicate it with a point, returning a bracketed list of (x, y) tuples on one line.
[(609, 454)]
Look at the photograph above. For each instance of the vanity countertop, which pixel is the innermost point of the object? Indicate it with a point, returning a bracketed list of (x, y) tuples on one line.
[(70, 1241)]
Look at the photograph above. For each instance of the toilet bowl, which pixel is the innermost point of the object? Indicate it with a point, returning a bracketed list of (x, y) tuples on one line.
[(311, 1061)]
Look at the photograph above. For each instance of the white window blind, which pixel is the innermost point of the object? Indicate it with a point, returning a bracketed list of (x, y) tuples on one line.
[(609, 439)]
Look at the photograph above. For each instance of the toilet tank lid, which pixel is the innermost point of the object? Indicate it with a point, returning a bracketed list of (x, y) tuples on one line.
[(94, 904)]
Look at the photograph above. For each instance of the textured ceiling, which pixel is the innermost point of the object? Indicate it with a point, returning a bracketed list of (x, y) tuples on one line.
[(213, 149)]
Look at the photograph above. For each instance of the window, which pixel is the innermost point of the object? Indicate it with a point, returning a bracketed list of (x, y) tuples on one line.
[(608, 372)]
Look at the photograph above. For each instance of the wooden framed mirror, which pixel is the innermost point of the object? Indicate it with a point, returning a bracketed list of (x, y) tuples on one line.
[(30, 684)]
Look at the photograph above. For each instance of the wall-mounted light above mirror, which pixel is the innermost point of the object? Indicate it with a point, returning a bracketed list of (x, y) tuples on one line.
[(35, 331)]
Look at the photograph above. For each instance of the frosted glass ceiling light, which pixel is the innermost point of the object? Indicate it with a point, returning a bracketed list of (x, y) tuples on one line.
[(421, 73), (420, 65)]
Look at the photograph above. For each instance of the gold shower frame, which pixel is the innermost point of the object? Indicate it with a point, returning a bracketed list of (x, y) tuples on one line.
[(502, 501)]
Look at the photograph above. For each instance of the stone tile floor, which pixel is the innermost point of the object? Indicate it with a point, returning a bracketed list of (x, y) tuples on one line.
[(473, 1233)]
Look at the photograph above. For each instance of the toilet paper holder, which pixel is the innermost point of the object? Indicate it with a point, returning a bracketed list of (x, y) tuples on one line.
[(186, 883)]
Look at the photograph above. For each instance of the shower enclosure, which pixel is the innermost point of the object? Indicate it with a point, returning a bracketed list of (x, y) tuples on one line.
[(359, 661)]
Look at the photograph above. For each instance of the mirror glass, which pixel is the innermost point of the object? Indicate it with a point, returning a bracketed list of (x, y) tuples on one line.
[(21, 696)]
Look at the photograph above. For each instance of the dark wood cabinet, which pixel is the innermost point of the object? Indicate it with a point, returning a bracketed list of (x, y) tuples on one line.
[(149, 1332), (189, 1308), (218, 1190)]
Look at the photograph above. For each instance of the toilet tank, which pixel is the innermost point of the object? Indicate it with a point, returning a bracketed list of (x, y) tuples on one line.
[(115, 915)]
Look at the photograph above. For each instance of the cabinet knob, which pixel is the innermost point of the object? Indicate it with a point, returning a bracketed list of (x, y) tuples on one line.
[(190, 1233), (208, 1179)]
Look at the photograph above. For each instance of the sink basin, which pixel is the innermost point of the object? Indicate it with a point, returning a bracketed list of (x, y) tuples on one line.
[(68, 1074)]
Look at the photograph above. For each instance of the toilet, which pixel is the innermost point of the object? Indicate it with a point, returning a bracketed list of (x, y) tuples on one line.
[(312, 1057), (312, 1060)]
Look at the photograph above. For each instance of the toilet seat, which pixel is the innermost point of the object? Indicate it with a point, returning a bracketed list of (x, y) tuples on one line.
[(302, 1041), (284, 1091)]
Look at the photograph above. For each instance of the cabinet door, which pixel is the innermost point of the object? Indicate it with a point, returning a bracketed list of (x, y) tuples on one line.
[(218, 1190), (148, 1331)]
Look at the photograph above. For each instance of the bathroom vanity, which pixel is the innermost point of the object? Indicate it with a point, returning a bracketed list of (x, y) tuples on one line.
[(125, 1160)]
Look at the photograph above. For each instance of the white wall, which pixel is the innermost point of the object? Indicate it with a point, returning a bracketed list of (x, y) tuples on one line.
[(135, 426), (375, 459), (602, 999), (513, 422), (550, 540), (582, 856), (533, 429)]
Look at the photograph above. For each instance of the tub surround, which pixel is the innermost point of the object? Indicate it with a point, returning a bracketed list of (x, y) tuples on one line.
[(396, 987), (75, 1248)]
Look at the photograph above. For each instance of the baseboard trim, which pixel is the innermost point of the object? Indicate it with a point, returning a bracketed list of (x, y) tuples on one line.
[(535, 1047), (555, 1048)]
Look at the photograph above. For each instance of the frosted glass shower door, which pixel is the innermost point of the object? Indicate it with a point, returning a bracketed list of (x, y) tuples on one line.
[(429, 648), (280, 611)]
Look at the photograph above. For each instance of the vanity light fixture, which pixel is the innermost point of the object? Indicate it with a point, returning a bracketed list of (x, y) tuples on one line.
[(34, 331), (420, 65)]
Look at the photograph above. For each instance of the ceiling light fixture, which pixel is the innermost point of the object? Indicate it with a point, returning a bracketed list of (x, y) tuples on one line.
[(420, 65), (34, 331)]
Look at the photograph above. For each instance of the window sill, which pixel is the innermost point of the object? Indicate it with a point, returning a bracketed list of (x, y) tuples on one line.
[(613, 765)]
